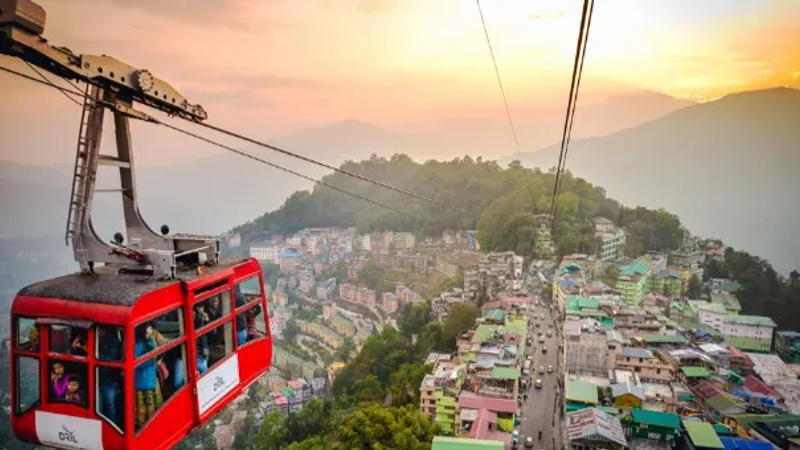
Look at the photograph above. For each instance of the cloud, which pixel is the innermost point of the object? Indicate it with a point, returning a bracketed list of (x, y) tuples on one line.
[(228, 13)]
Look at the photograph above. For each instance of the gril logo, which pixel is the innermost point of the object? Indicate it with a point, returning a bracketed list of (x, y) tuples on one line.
[(218, 383), (66, 435)]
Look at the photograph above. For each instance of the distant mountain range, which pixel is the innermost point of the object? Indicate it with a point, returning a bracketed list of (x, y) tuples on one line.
[(729, 168)]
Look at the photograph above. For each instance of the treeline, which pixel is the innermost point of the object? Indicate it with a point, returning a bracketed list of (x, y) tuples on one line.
[(764, 291), (500, 203), (466, 184), (376, 396)]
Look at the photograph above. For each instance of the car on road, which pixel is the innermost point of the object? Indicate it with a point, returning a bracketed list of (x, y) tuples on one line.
[(515, 438), (549, 368), (537, 324), (549, 333), (529, 442), (541, 339), (541, 316), (526, 372), (544, 349), (541, 369), (538, 383)]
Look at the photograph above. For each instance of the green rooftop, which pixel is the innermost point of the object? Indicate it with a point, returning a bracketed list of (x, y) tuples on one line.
[(453, 443), (581, 391), (695, 372), (495, 314), (657, 418), (505, 373), (484, 331), (721, 402), (516, 326), (634, 268), (664, 339), (756, 321), (702, 434)]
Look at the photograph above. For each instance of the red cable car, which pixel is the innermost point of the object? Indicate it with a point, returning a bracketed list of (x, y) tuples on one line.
[(159, 336), (116, 360)]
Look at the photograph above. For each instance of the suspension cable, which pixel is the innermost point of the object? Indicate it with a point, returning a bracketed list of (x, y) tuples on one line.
[(499, 81)]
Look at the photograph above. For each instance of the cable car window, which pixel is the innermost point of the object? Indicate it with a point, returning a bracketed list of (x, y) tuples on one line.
[(109, 342), (27, 334), (154, 333), (213, 346), (68, 340), (247, 291), (28, 394), (110, 399), (67, 382), (250, 325), (156, 381), (211, 309)]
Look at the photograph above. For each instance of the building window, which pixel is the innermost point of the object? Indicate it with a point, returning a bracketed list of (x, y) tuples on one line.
[(27, 374)]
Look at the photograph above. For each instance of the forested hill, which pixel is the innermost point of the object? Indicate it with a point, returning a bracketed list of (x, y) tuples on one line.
[(499, 202)]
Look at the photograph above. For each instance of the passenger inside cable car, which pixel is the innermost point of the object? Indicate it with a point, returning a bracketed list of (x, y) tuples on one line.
[(109, 374)]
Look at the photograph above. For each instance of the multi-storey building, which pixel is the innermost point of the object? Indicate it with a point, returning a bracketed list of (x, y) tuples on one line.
[(711, 314), (747, 332), (612, 239), (404, 240), (644, 363), (493, 274), (633, 281), (265, 252)]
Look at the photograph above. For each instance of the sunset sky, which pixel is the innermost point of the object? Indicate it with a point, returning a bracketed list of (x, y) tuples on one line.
[(271, 68)]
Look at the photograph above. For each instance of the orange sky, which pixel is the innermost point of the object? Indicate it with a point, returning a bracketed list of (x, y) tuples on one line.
[(272, 68)]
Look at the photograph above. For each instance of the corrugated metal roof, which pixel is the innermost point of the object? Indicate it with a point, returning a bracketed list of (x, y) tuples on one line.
[(657, 418), (695, 372), (634, 352), (581, 391), (702, 434)]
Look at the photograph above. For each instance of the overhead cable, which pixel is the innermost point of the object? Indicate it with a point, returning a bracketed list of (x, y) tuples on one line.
[(577, 70), (279, 150), (66, 93), (499, 80)]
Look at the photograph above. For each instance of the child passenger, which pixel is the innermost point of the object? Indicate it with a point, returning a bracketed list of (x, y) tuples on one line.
[(58, 382), (73, 390)]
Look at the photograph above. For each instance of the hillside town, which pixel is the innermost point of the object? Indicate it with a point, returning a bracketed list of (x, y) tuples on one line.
[(589, 350)]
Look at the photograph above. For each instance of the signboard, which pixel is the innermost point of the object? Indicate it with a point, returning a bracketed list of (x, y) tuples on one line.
[(590, 423), (217, 382), (469, 414), (59, 430)]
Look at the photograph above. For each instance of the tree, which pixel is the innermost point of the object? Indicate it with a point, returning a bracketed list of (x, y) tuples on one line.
[(460, 318), (413, 318), (345, 350), (273, 432), (695, 288), (371, 425), (291, 330)]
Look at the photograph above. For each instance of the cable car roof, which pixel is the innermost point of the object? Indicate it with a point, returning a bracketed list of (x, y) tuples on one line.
[(106, 285)]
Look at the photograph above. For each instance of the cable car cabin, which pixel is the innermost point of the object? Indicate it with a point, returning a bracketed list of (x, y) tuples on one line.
[(115, 360)]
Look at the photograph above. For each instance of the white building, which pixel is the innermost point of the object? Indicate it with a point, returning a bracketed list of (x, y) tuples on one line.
[(748, 332), (711, 314), (612, 239), (403, 240), (267, 253)]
